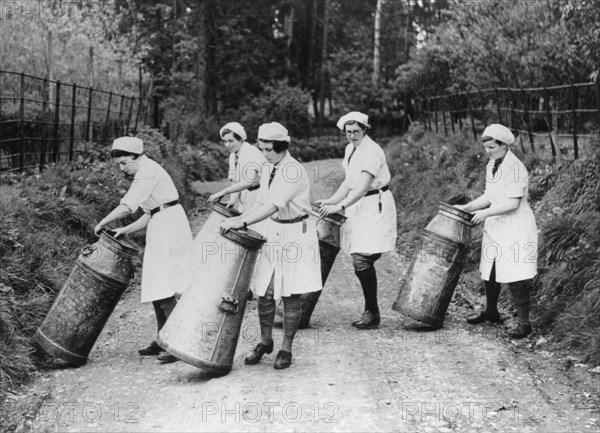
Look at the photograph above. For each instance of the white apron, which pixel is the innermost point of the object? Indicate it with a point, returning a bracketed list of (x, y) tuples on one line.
[(510, 240), (291, 257), (367, 230), (169, 257)]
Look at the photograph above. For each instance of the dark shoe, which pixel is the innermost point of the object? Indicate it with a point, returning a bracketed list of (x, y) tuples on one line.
[(153, 349), (484, 317), (167, 358), (521, 330), (368, 320), (283, 360), (255, 355)]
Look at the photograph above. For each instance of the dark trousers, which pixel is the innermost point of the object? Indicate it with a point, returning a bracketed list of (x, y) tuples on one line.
[(519, 291)]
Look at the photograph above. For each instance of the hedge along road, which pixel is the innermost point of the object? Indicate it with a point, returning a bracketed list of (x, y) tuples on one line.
[(396, 378)]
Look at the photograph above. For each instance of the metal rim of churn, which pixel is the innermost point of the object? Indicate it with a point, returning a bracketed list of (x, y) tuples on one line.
[(224, 210), (246, 238), (456, 214), (334, 218), (119, 245)]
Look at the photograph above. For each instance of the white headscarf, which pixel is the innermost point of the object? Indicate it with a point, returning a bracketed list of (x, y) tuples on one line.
[(357, 116), (234, 127), (128, 144), (273, 132), (500, 133)]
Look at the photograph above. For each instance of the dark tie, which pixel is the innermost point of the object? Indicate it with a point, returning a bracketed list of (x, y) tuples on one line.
[(272, 175), (237, 159), (351, 153), (497, 163)]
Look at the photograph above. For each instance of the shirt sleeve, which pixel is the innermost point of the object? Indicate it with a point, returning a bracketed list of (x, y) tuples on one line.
[(370, 162), (138, 192), (519, 179)]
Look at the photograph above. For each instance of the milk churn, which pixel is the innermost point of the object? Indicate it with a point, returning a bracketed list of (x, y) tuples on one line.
[(204, 327), (432, 277), (328, 231), (100, 276)]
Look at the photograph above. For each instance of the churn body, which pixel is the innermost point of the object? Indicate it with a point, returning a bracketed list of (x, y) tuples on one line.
[(432, 277), (328, 231), (100, 276), (204, 327)]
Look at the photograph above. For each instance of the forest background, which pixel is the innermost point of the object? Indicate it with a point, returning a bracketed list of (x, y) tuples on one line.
[(303, 63)]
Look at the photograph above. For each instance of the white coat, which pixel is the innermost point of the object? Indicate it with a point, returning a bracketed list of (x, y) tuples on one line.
[(169, 256), (242, 165), (291, 254), (367, 229), (510, 240)]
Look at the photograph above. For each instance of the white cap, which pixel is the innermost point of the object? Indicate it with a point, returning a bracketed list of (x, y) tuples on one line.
[(500, 133), (357, 116), (128, 144), (234, 127), (273, 132)]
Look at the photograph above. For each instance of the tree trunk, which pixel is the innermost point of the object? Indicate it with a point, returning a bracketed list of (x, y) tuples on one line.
[(323, 66), (311, 54), (207, 77), (377, 45)]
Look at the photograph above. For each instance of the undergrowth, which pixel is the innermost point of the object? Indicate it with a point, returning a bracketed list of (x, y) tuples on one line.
[(45, 220), (428, 168)]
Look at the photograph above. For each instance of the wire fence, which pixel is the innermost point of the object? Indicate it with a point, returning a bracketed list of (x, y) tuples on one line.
[(45, 121), (561, 120)]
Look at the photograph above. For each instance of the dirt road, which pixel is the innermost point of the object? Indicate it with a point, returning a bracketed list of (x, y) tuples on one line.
[(397, 378)]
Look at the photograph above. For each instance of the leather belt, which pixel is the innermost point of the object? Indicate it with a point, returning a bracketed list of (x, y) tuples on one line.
[(290, 221), (377, 191), (253, 188), (164, 206)]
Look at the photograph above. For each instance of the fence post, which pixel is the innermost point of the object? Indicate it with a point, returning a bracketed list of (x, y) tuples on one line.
[(137, 115), (22, 121), (470, 106), (156, 117), (574, 115), (129, 115), (73, 109), (107, 121), (528, 119), (435, 113), (120, 122), (498, 111), (56, 121), (484, 116), (598, 98), (89, 130), (451, 112), (549, 121), (45, 97), (426, 107), (444, 120)]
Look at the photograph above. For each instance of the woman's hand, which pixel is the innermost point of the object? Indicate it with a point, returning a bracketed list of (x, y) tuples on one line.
[(119, 231), (330, 209), (324, 202), (98, 229), (480, 216), (216, 196), (231, 223)]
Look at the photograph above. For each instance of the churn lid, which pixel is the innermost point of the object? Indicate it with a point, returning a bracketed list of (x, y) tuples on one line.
[(457, 213), (106, 236), (334, 217), (246, 238), (224, 210)]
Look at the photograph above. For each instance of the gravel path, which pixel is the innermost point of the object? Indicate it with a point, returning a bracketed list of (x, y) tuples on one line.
[(397, 378)]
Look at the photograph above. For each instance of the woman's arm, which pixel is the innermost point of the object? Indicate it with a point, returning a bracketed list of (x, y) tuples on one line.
[(479, 203), (253, 216), (339, 195), (139, 224), (508, 206), (364, 183), (117, 213)]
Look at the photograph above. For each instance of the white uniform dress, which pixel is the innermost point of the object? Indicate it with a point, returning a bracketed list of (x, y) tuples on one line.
[(248, 159), (291, 253), (169, 260), (368, 229), (510, 239)]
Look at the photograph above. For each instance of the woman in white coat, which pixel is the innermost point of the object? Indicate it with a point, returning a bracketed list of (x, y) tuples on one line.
[(245, 165), (289, 263), (370, 228), (510, 244), (169, 264)]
